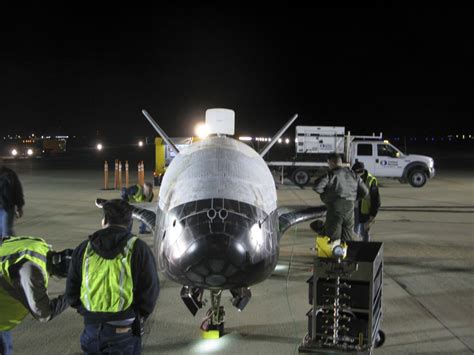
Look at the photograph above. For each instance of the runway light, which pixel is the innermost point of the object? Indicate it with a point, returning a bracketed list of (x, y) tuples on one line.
[(140, 143), (279, 140), (201, 130), (99, 146), (14, 152), (29, 152), (287, 141)]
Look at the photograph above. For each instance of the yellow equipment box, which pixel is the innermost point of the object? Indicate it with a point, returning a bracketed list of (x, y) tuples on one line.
[(324, 247)]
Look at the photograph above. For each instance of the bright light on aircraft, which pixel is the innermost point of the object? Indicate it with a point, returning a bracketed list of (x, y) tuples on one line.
[(140, 143), (201, 130), (99, 146), (256, 236), (175, 232), (29, 151), (14, 152)]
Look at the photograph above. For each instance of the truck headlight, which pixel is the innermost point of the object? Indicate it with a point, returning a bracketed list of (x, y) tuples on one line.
[(14, 152), (29, 152)]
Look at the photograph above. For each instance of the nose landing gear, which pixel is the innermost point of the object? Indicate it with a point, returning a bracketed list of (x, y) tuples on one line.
[(213, 324)]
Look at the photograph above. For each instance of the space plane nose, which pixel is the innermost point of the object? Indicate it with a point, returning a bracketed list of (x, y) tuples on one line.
[(213, 260), (216, 248)]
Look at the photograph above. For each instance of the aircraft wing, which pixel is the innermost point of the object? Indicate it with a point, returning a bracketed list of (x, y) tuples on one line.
[(291, 215), (144, 212)]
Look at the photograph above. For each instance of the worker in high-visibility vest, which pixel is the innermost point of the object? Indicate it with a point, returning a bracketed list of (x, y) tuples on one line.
[(136, 194), (113, 284), (25, 266), (367, 208)]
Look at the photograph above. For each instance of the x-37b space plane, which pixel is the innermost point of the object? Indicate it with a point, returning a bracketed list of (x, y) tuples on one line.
[(217, 225)]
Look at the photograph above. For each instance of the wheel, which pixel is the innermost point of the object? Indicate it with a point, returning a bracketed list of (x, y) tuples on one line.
[(380, 339), (300, 177), (417, 178)]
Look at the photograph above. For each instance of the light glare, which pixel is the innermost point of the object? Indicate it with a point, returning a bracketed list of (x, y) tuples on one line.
[(201, 130)]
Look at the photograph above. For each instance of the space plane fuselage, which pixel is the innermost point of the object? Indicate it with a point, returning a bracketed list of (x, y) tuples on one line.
[(217, 223)]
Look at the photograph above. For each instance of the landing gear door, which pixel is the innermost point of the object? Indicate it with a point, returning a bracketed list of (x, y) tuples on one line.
[(365, 153), (388, 161)]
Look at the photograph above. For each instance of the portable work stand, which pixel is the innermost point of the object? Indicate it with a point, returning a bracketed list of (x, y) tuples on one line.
[(346, 295)]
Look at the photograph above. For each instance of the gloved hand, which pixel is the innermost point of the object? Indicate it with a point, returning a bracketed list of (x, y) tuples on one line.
[(58, 305), (19, 212)]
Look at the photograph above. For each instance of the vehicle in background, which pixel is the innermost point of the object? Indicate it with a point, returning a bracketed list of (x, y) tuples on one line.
[(53, 146), (32, 147), (380, 157), (164, 154)]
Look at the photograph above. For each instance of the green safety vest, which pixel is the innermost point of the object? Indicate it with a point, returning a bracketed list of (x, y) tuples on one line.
[(107, 284), (138, 197), (12, 251), (365, 203)]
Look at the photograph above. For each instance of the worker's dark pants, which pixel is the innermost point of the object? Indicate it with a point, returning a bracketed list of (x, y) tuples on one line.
[(6, 222), (339, 220), (107, 339), (6, 343), (359, 229)]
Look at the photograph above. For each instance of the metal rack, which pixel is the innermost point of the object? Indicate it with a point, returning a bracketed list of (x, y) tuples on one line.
[(346, 295)]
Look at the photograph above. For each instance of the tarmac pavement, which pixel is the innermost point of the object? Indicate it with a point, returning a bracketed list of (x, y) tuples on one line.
[(428, 299)]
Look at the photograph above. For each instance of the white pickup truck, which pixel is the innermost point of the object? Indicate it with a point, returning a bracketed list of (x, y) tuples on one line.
[(382, 159)]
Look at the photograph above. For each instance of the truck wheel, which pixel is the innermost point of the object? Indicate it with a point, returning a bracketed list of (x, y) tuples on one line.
[(417, 178), (300, 177)]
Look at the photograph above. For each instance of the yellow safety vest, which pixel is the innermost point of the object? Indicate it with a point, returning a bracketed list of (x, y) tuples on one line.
[(365, 203), (107, 284), (138, 197), (12, 251)]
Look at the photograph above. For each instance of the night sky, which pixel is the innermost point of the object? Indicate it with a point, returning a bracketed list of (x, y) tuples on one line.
[(83, 70)]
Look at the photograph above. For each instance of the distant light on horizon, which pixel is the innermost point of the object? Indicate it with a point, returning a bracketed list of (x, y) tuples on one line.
[(99, 146), (245, 139), (140, 143)]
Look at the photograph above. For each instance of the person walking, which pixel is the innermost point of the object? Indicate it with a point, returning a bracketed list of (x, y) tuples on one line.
[(367, 208), (338, 189), (11, 201)]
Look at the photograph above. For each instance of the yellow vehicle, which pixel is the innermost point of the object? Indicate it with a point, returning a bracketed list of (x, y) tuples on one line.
[(164, 155)]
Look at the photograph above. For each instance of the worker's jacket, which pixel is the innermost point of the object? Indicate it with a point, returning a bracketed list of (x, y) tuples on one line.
[(340, 183), (11, 191), (365, 203), (13, 251), (107, 284)]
